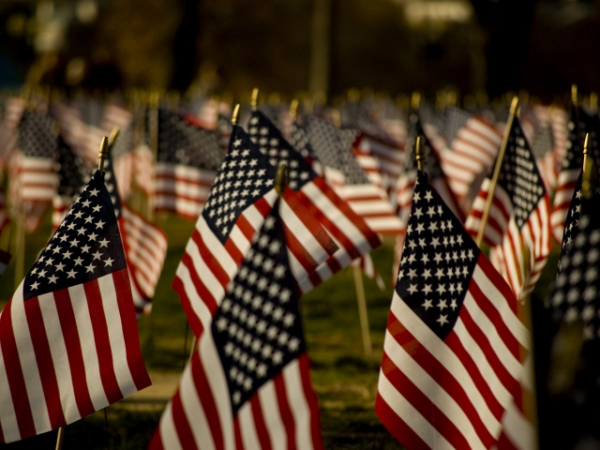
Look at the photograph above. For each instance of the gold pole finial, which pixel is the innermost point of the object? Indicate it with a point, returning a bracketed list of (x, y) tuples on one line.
[(336, 117), (514, 105), (294, 108), (113, 136), (419, 152), (588, 165), (415, 100), (254, 99), (103, 153), (574, 95), (281, 178), (235, 114)]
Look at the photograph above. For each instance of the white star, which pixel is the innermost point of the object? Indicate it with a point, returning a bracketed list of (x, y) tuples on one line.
[(108, 262), (443, 319), (427, 304), (71, 274), (52, 279), (412, 289), (90, 268), (78, 261), (34, 286)]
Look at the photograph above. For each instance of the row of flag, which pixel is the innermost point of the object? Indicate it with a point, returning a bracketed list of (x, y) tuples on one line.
[(456, 369)]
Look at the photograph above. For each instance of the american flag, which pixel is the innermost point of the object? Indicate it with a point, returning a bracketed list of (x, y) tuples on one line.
[(12, 112), (348, 229), (518, 226), (454, 346), (68, 337), (187, 161), (542, 147), (241, 197), (579, 124), (73, 174), (471, 151), (333, 148), (145, 244), (247, 384), (34, 179)]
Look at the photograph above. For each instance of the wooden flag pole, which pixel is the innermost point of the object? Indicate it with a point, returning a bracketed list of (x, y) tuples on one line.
[(362, 312), (153, 131), (575, 101), (294, 109), (60, 437), (490, 195)]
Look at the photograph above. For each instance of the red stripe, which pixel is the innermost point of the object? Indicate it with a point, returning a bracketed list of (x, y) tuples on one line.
[(397, 427), (68, 325), (423, 404), (207, 400), (102, 341), (447, 381), (237, 432), (298, 250), (45, 365), (193, 319), (130, 330), (14, 374), (209, 259), (311, 400), (181, 423), (156, 442), (285, 411), (259, 423)]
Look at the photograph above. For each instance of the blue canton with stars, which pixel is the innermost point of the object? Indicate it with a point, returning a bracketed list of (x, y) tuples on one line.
[(577, 285), (257, 328), (519, 176), (85, 247), (271, 143), (244, 177), (437, 261)]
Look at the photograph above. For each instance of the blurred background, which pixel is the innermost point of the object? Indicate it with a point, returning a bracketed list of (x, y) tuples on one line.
[(286, 47)]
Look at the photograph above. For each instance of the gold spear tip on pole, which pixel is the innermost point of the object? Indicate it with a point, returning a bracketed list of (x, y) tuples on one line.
[(114, 134), (415, 100), (294, 108), (588, 164), (574, 95), (281, 178), (103, 153), (419, 152), (254, 99), (235, 114), (514, 105)]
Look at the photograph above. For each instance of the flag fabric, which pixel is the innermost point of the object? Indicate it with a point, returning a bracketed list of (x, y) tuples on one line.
[(247, 384), (518, 226), (366, 265), (73, 174), (370, 201), (454, 345), (145, 244), (240, 198), (12, 112), (68, 337), (471, 151), (187, 161), (579, 124), (351, 233)]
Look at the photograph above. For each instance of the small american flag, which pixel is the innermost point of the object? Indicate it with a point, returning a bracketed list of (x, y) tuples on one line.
[(247, 384), (69, 344), (518, 227), (454, 346), (187, 161)]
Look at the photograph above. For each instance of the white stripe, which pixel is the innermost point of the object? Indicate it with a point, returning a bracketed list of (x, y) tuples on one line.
[(31, 374), (79, 303), (110, 304), (270, 409), (298, 404), (218, 386), (198, 306), (248, 427), (214, 246), (8, 417), (518, 429), (437, 394), (413, 418), (207, 277), (168, 432)]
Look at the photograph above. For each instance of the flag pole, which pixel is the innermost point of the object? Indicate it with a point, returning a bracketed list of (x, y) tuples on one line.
[(490, 195), (254, 99), (60, 437), (575, 102), (153, 131), (588, 166)]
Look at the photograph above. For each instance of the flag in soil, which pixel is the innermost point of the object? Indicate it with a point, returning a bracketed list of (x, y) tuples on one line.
[(247, 385), (579, 124), (518, 227), (348, 229), (333, 147), (454, 346), (34, 182), (68, 337), (240, 199), (187, 161), (145, 245)]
